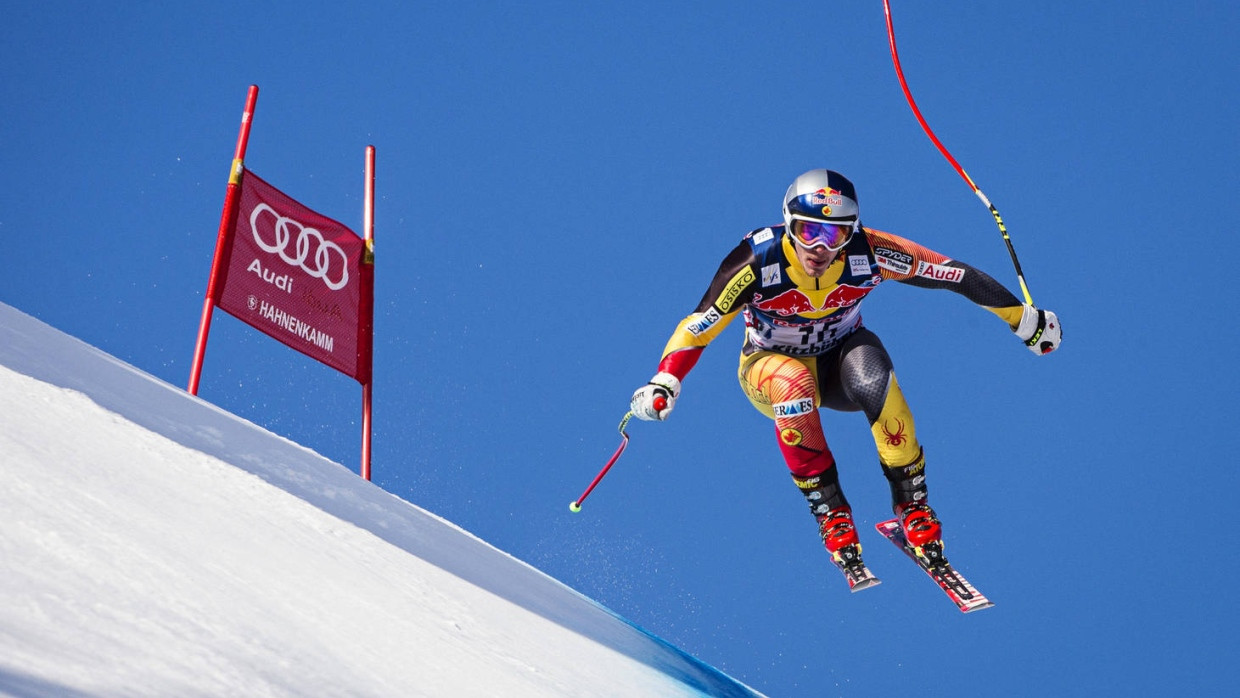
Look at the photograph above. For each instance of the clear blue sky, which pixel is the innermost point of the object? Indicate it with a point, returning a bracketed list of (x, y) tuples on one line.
[(556, 184)]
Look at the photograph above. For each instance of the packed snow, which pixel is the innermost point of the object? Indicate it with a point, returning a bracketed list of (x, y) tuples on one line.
[(154, 545)]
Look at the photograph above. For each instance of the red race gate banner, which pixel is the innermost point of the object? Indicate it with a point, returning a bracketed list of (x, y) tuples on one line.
[(297, 276)]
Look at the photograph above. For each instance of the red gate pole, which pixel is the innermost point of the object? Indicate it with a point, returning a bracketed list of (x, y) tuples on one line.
[(367, 318), (223, 239)]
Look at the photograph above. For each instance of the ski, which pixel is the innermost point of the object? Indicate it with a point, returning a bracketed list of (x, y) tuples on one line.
[(957, 588), (858, 576)]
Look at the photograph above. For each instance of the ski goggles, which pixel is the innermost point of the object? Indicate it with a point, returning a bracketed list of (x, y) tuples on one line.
[(810, 234)]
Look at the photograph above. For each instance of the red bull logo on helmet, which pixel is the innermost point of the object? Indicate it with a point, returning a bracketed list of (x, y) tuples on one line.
[(826, 198)]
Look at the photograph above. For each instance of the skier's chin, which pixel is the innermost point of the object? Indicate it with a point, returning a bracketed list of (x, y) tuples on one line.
[(817, 270), (815, 265)]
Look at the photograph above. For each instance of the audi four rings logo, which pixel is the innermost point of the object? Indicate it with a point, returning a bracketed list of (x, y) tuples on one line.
[(319, 262)]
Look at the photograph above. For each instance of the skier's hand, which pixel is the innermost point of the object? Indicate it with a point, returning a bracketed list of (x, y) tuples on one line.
[(654, 400), (1039, 330)]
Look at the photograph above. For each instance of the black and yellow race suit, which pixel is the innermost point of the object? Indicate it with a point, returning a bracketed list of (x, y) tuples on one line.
[(805, 346)]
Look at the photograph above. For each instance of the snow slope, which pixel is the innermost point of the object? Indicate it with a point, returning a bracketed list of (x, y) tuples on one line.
[(154, 545)]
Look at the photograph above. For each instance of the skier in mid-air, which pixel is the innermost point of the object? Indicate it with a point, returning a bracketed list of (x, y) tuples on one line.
[(799, 287)]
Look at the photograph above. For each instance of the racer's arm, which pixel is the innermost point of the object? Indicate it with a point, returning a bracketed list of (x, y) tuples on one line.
[(730, 289), (977, 286), (916, 265)]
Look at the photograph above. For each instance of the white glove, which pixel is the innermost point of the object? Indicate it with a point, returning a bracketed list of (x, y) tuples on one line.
[(655, 400), (1039, 330)]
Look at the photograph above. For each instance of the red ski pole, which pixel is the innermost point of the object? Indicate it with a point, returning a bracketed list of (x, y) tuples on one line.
[(908, 96), (575, 505)]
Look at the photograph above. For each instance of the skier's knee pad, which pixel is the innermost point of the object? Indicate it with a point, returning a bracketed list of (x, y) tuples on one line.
[(865, 373), (777, 385)]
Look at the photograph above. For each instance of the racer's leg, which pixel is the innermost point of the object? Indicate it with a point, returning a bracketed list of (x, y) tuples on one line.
[(785, 389), (866, 380)]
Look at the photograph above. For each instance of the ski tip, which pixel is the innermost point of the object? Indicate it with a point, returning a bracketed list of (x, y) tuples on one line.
[(865, 584), (979, 607)]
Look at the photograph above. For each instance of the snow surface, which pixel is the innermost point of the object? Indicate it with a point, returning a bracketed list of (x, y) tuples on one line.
[(154, 545)]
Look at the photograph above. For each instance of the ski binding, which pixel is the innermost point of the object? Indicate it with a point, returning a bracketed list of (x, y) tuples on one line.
[(858, 576), (957, 588)]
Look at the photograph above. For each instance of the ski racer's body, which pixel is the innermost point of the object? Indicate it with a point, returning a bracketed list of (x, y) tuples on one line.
[(799, 287)]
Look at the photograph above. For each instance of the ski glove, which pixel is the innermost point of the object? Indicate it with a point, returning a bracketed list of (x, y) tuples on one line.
[(1039, 330), (654, 400)]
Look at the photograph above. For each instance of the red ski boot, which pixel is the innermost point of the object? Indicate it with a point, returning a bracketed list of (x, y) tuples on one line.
[(922, 530), (839, 535), (837, 529), (835, 524)]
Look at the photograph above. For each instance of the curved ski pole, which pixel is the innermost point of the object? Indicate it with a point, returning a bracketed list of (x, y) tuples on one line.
[(895, 59), (575, 505)]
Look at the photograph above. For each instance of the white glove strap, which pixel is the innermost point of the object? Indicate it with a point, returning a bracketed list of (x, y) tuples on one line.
[(1028, 323), (1039, 330), (666, 380)]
